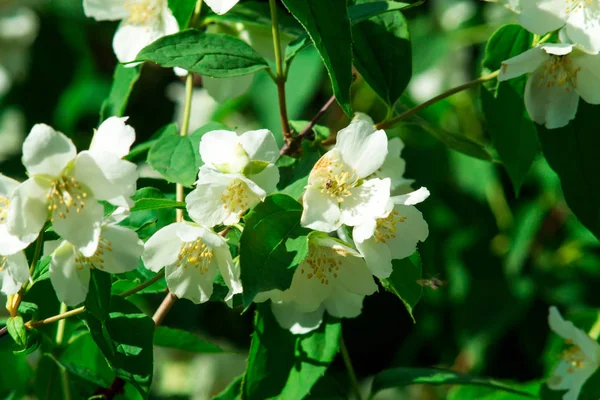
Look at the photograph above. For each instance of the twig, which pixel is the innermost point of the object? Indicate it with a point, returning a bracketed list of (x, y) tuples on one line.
[(350, 368), (280, 77)]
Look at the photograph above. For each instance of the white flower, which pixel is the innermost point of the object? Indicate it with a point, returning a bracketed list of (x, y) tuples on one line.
[(14, 272), (191, 255), (337, 192), (559, 75), (333, 276), (221, 6), (118, 251), (9, 244), (238, 173), (579, 361), (395, 235), (579, 18), (65, 186), (143, 22)]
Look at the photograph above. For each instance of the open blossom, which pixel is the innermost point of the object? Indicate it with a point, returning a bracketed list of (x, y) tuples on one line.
[(579, 361), (221, 6), (65, 187), (118, 251), (394, 235), (337, 191), (559, 75), (143, 22), (578, 17), (238, 173), (192, 255)]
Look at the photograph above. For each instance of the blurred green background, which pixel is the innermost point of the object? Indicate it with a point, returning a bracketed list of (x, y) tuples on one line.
[(505, 259)]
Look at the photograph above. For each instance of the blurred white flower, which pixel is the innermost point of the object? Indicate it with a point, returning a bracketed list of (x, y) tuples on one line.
[(12, 132), (203, 105), (579, 361), (65, 186), (143, 22), (559, 75), (192, 255)]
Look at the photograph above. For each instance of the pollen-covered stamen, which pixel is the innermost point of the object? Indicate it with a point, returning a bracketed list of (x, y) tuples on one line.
[(96, 260), (196, 254), (322, 263), (573, 356), (336, 179), (143, 12), (573, 5), (386, 227), (3, 209), (235, 198), (65, 195), (559, 70)]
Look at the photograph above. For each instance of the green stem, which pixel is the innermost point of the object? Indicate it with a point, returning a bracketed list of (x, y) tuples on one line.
[(37, 252), (595, 331), (350, 368), (144, 285), (280, 77), (409, 113), (185, 124), (60, 334)]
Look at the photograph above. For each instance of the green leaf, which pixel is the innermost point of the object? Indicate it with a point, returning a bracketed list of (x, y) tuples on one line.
[(382, 52), (208, 54), (175, 157), (42, 270), (16, 329), (272, 245), (483, 393), (328, 25), (28, 308), (156, 204), (572, 152), (365, 10), (182, 11), (255, 167), (123, 81), (183, 340), (514, 138), (258, 14), (16, 378), (403, 281), (398, 377), (92, 366), (233, 391), (97, 301), (283, 365), (125, 339), (297, 45)]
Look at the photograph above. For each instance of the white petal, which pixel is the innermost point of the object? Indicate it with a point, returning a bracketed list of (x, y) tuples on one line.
[(223, 150), (27, 210), (408, 233), (583, 27), (568, 331), (105, 10), (409, 199), (16, 273), (267, 179), (10, 244), (296, 322), (82, 229), (588, 77), (223, 89), (190, 284), (363, 117), (366, 201), (106, 175), (542, 16), (321, 212), (70, 282), (46, 151), (260, 145), (343, 304), (558, 49), (355, 276), (394, 166), (229, 272), (113, 136), (365, 230), (307, 294), (221, 6), (163, 247), (7, 186), (130, 39), (362, 148), (377, 256), (552, 106), (524, 63), (126, 249)]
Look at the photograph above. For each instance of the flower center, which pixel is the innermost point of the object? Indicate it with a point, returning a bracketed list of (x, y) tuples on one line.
[(572, 5), (97, 260), (142, 13), (235, 197), (336, 180), (559, 70), (386, 227), (322, 263), (196, 254), (573, 356), (3, 209), (65, 194)]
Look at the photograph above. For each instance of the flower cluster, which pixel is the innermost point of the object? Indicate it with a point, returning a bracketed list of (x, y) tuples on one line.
[(559, 73)]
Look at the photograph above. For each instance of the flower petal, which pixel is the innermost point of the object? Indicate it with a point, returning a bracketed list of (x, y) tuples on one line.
[(223, 150), (568, 331), (221, 6), (163, 247), (409, 199), (113, 136), (364, 231), (542, 16), (296, 322), (524, 63), (343, 304), (267, 179), (307, 293), (583, 27), (27, 210), (81, 229), (260, 145), (7, 186), (377, 256), (126, 249), (105, 10), (15, 274), (394, 166), (355, 277), (190, 284), (366, 201), (10, 244), (362, 148), (70, 281), (129, 38), (409, 232), (46, 151), (588, 77), (321, 212)]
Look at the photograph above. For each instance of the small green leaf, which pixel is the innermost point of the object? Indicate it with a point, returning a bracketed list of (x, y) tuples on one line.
[(16, 329), (97, 301), (183, 340), (296, 46), (255, 167), (123, 81), (156, 204), (208, 54), (328, 25), (403, 281), (398, 377), (42, 270), (272, 245), (182, 11), (28, 308)]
